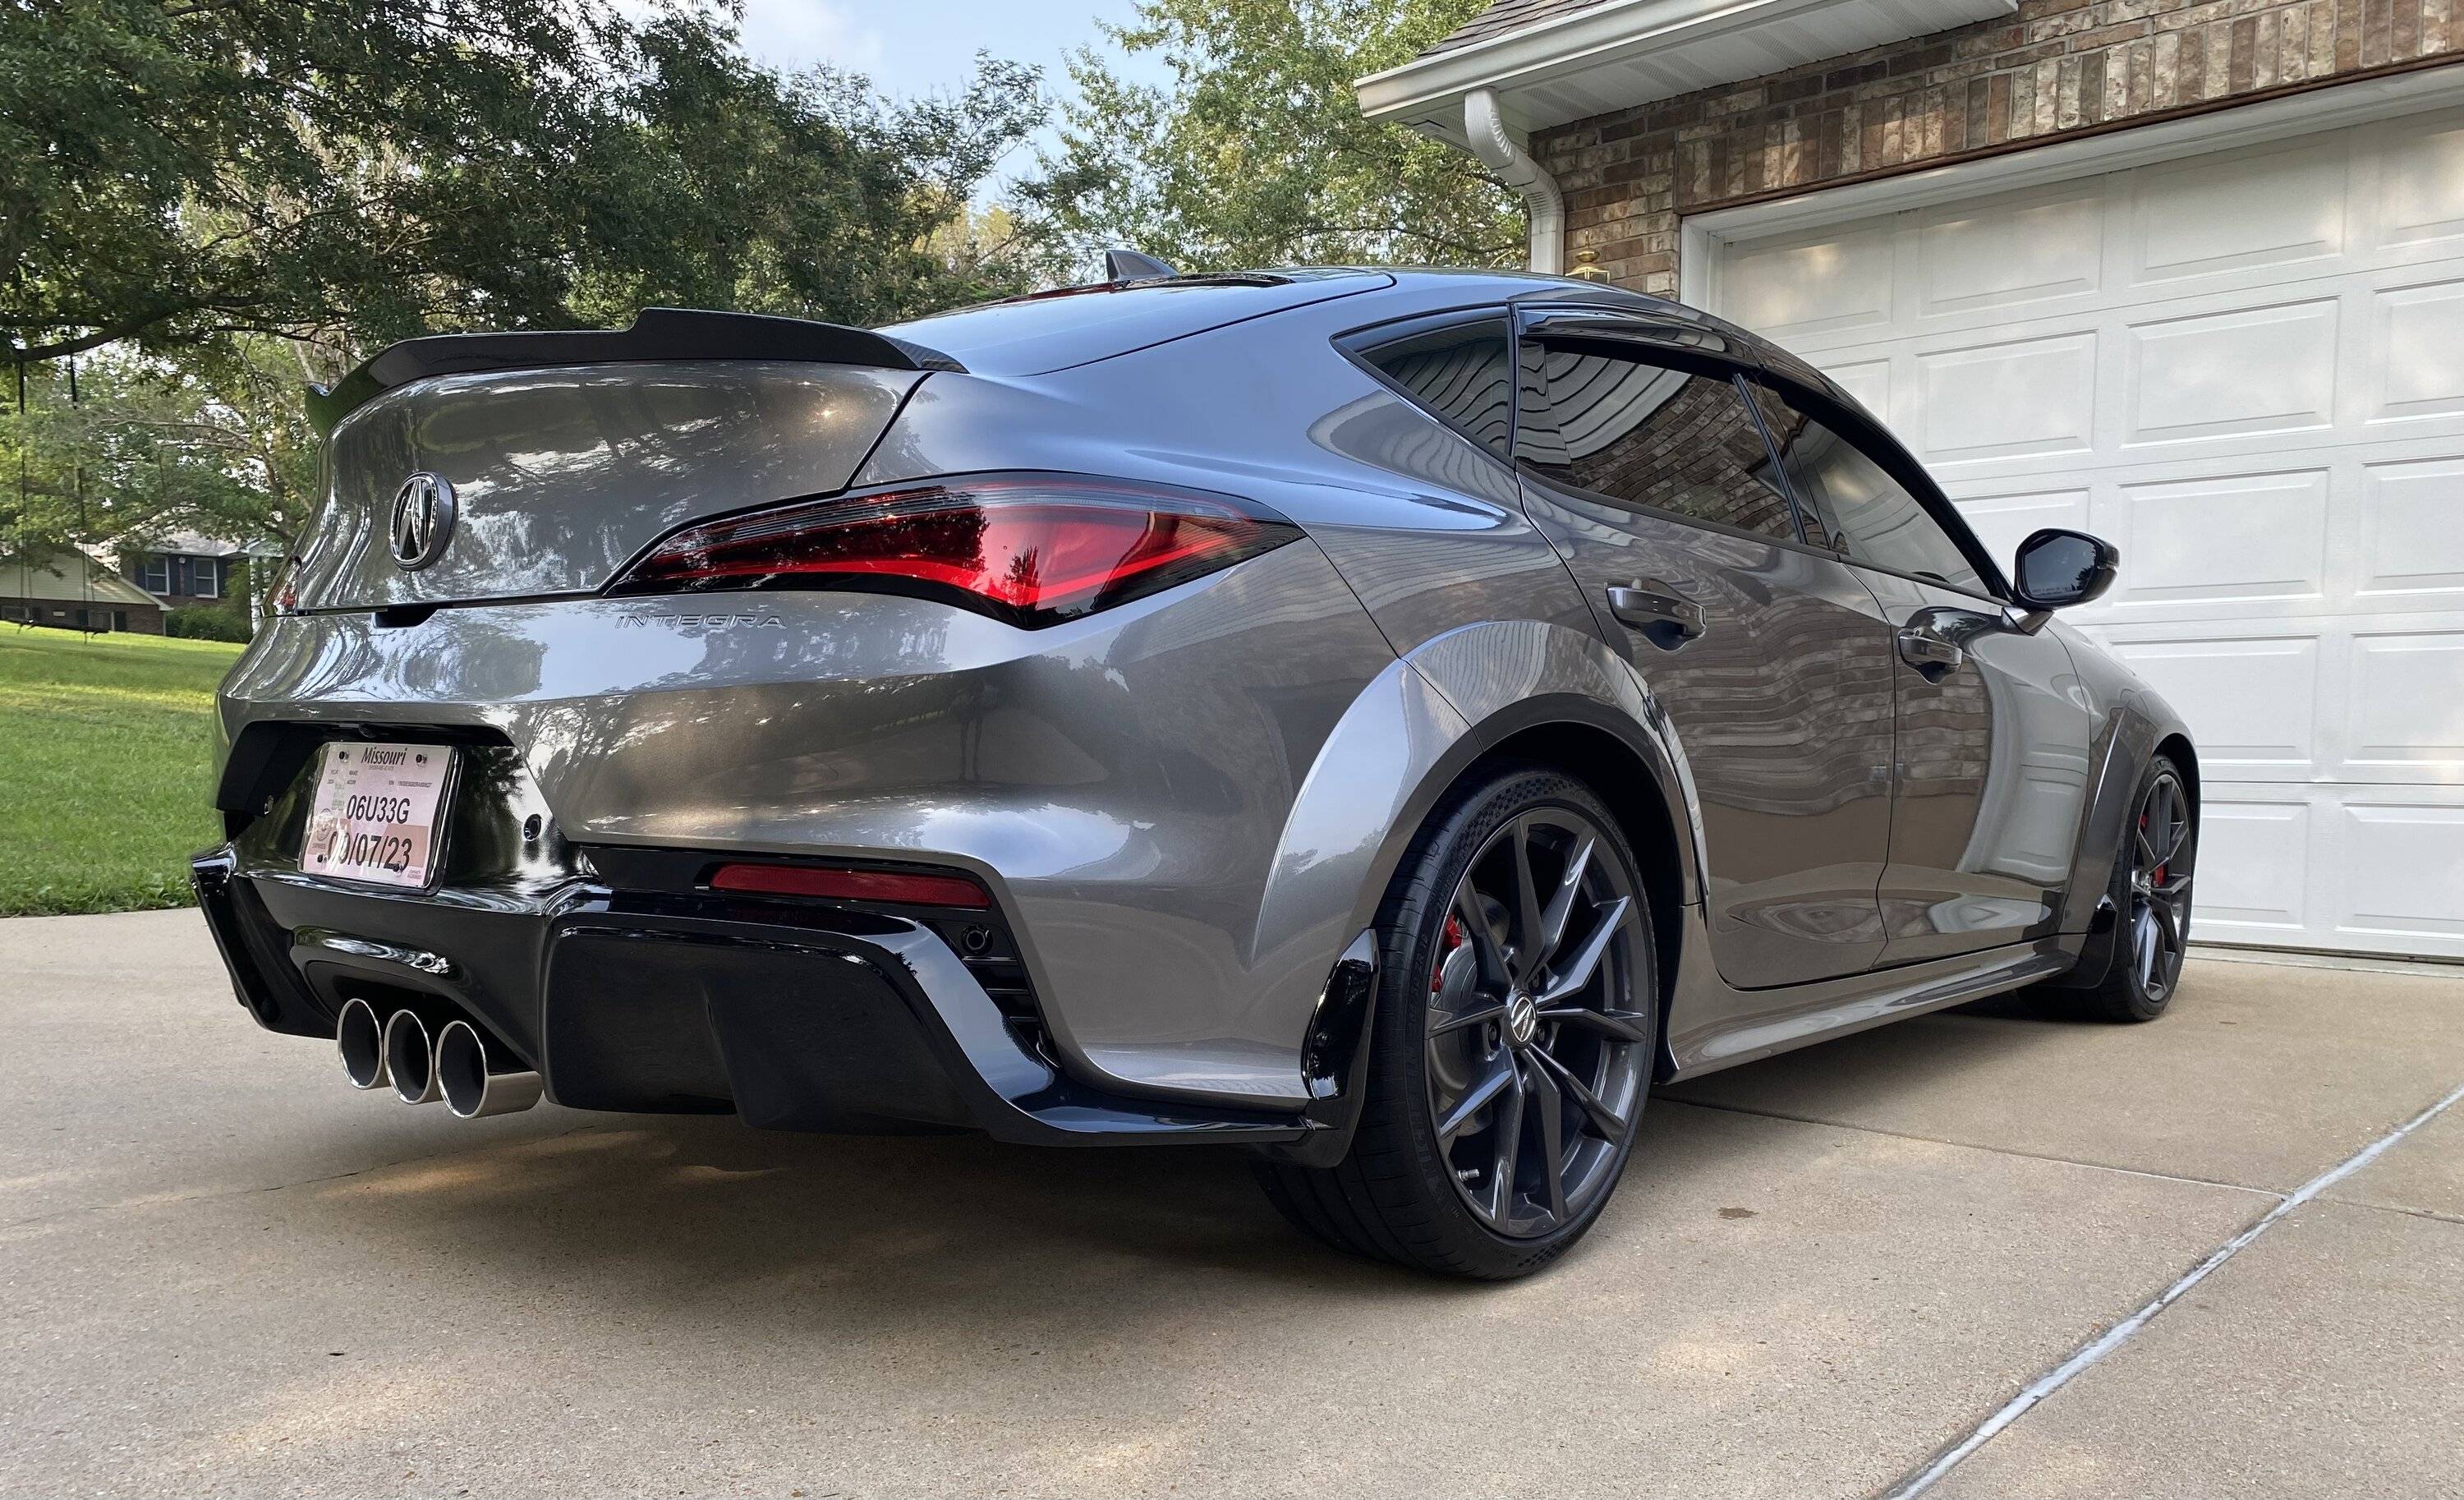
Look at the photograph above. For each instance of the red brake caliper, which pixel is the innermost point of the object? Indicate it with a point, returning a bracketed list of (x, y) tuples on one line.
[(1447, 942), (2157, 877)]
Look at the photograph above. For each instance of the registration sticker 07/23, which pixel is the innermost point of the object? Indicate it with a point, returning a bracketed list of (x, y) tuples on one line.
[(376, 812)]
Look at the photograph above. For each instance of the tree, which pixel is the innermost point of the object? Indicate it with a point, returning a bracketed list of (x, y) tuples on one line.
[(212, 202), (1257, 154), (347, 172), (116, 444)]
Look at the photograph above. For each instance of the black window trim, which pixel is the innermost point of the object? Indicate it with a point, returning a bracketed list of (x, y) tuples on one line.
[(1646, 350), (1885, 453), (1354, 346)]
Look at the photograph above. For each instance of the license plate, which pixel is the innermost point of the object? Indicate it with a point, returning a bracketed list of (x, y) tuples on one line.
[(376, 813)]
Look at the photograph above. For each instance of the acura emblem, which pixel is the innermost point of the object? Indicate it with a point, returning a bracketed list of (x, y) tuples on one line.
[(422, 519)]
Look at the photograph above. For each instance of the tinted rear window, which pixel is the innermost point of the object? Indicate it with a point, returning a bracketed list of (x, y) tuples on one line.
[(1464, 372), (1051, 333)]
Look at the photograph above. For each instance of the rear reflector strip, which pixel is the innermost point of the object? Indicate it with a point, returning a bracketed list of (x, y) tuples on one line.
[(895, 888)]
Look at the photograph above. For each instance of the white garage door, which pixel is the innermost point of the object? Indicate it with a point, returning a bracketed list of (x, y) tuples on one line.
[(2247, 370)]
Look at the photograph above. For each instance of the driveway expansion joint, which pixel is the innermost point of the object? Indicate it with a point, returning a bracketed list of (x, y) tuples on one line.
[(1935, 1469)]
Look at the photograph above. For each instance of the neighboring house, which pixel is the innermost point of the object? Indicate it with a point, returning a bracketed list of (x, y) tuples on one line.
[(188, 568), (71, 592), (2189, 275)]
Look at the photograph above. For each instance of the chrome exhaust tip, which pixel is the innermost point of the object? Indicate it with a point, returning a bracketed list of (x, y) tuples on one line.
[(361, 1040), (471, 1090), (411, 1058)]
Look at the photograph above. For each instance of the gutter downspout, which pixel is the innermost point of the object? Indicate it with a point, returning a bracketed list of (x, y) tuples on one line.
[(1502, 151)]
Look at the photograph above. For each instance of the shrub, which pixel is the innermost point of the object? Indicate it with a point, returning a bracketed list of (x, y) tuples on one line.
[(208, 623)]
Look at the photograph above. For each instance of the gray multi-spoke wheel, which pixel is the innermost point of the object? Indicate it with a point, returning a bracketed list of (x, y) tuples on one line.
[(2151, 906), (1534, 1064), (2160, 886), (1513, 1041)]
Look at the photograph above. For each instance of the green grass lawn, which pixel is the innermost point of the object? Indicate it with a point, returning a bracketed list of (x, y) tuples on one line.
[(106, 747)]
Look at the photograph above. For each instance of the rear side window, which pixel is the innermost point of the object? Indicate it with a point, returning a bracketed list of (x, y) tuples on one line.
[(1662, 439), (1865, 515), (1463, 374)]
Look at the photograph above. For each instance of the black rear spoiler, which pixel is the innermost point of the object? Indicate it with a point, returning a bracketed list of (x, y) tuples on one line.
[(658, 333)]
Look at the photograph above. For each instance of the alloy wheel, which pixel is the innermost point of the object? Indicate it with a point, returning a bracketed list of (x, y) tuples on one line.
[(2160, 886), (1537, 1053)]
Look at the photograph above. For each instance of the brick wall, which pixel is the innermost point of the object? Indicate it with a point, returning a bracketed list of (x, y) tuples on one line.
[(2056, 68)]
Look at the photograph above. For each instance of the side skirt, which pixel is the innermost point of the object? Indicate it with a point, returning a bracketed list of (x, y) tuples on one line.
[(1712, 1026)]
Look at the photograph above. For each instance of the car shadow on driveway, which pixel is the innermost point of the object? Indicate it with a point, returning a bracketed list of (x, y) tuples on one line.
[(699, 1203)]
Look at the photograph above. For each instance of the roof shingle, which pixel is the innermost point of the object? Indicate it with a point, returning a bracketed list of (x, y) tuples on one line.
[(1504, 17)]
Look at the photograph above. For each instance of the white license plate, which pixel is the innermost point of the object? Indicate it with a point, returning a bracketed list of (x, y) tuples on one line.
[(376, 813)]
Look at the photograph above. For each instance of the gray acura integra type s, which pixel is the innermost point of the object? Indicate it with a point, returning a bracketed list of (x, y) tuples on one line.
[(1383, 720)]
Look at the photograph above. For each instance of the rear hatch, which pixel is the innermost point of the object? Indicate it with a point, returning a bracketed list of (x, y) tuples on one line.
[(558, 456)]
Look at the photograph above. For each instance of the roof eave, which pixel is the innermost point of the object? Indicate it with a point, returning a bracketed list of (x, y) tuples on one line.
[(1625, 53)]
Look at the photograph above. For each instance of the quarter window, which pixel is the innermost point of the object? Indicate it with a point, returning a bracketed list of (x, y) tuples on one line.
[(1663, 439), (1463, 374), (1865, 515)]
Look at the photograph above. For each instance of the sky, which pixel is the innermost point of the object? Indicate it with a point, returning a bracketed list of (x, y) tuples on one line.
[(912, 47)]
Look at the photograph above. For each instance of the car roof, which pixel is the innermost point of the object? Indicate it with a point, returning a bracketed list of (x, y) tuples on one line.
[(1047, 331)]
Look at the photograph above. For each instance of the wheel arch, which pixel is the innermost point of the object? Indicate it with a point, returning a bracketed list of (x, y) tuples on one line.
[(1524, 692), (2177, 746), (1625, 781)]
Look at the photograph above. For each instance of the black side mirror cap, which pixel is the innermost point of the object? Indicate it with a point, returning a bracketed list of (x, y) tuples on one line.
[(2058, 569)]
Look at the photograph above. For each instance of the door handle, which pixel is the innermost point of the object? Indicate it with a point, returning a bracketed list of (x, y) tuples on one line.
[(1666, 617), (1929, 651)]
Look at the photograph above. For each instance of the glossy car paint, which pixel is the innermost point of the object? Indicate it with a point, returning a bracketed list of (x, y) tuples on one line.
[(1190, 804), (1992, 777), (562, 474)]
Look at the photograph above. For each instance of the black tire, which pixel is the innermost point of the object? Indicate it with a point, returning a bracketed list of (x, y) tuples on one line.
[(1461, 1008), (2152, 903)]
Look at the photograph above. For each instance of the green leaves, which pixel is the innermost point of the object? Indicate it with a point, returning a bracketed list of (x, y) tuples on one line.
[(349, 172), (1257, 155), (210, 202)]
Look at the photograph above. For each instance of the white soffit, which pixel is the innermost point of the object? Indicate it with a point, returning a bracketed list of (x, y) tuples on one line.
[(1623, 53)]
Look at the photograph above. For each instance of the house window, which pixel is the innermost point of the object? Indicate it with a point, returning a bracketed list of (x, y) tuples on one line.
[(154, 574), (204, 580)]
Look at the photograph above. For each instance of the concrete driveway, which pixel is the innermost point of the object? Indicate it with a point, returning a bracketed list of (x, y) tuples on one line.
[(222, 1272)]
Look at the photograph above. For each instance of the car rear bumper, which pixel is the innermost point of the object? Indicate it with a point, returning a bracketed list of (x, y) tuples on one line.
[(791, 1017)]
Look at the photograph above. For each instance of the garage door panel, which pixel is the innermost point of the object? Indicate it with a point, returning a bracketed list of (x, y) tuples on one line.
[(2002, 521), (2405, 708), (2247, 368), (2420, 186), (2012, 252), (2276, 210), (2226, 539), (2401, 872), (2251, 703), (2034, 396), (2412, 528), (1831, 281), (2251, 882), (2416, 355), (1869, 381), (2253, 369)]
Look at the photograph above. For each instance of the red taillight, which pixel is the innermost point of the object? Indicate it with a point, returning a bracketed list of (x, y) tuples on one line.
[(1029, 548), (892, 887)]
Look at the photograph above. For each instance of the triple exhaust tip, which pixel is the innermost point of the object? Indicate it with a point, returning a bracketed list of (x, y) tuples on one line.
[(455, 1067)]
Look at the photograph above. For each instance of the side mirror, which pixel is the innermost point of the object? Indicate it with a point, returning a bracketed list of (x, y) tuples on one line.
[(2058, 569)]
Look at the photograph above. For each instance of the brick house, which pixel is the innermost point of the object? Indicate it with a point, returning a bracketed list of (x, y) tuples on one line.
[(52, 592), (2189, 276)]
